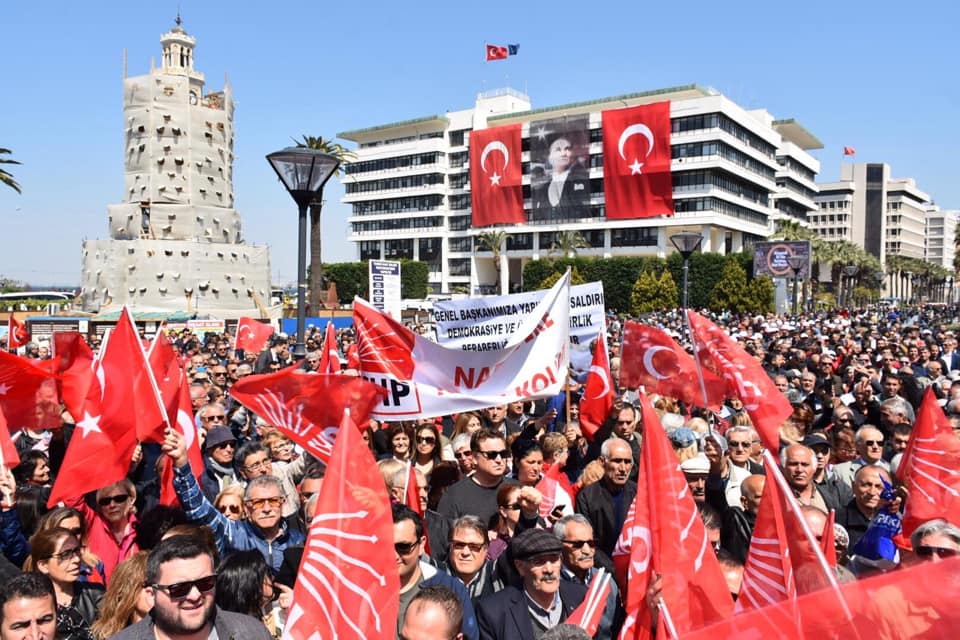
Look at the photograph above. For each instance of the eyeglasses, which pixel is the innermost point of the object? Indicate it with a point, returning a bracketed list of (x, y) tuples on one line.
[(845, 419), (493, 455), (232, 508), (405, 548), (229, 444), (117, 499), (461, 454), (260, 503), (579, 544), (217, 374), (512, 507), (219, 417), (259, 464), (68, 554), (427, 440), (739, 445), (873, 443), (180, 590), (474, 547), (926, 551)]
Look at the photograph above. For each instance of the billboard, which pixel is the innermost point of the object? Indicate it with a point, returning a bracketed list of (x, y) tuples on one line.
[(771, 258), (385, 286), (560, 169)]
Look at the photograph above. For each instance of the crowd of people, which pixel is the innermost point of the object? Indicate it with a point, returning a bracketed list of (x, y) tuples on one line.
[(484, 560)]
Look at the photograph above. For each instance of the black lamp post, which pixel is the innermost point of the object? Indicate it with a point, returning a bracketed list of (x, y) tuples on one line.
[(686, 243), (797, 263), (850, 270), (879, 275), (303, 172)]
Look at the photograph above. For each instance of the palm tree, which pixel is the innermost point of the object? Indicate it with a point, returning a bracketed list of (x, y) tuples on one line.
[(6, 178), (493, 241), (567, 243), (343, 154)]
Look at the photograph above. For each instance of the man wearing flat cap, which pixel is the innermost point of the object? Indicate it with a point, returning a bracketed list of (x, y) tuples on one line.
[(543, 602)]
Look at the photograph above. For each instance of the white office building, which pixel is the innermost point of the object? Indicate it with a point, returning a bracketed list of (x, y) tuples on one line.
[(734, 172), (941, 231), (175, 241)]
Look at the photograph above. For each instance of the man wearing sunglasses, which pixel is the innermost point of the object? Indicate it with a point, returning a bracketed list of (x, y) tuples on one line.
[(264, 529), (869, 442), (581, 560), (934, 541), (180, 588), (218, 450)]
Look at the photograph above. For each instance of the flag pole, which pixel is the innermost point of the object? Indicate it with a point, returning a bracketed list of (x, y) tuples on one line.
[(696, 359), (149, 370), (667, 620)]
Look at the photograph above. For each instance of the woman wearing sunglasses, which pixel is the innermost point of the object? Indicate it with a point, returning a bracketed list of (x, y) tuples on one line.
[(56, 554), (110, 529), (229, 502), (245, 585), (427, 453)]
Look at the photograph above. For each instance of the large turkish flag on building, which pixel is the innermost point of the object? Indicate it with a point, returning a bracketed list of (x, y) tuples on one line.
[(636, 162), (495, 176)]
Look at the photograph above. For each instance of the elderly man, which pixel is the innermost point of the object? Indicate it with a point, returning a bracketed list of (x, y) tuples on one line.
[(263, 530), (934, 541), (28, 608), (837, 491), (894, 411), (218, 451), (722, 470), (252, 460), (739, 447), (461, 451), (435, 613), (799, 467), (181, 586), (869, 443), (855, 516), (737, 522), (543, 602), (605, 503), (468, 543), (580, 559), (696, 470)]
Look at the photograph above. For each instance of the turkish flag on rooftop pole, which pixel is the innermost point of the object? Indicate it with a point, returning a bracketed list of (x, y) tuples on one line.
[(598, 394), (666, 536), (637, 180), (308, 407), (930, 469), (745, 378), (75, 366), (496, 176), (347, 586), (252, 335), (28, 394), (849, 151), (17, 334), (653, 360), (329, 357), (496, 52)]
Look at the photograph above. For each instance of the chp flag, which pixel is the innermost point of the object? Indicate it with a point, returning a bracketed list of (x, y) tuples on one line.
[(425, 378), (487, 322), (496, 176), (636, 162)]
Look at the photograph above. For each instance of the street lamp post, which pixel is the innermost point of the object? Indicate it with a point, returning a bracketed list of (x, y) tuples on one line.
[(303, 172), (879, 275), (796, 264), (686, 243), (850, 270)]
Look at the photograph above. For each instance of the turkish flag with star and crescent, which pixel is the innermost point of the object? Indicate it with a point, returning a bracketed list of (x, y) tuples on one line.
[(930, 468), (252, 335), (598, 393), (8, 450), (654, 360), (75, 368), (745, 378), (307, 407), (17, 334), (348, 585), (496, 176), (637, 181), (28, 393), (663, 534), (329, 356)]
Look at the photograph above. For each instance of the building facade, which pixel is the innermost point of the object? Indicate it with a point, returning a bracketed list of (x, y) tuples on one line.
[(940, 236), (734, 172), (175, 241)]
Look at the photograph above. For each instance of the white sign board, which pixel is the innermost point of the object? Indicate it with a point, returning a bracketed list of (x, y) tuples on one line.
[(486, 323), (385, 286)]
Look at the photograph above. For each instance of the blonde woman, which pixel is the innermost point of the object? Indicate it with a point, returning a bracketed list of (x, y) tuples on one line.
[(125, 603)]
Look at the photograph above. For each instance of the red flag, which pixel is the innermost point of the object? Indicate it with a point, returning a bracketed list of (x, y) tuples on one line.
[(907, 603), (745, 378), (28, 394), (7, 449), (828, 543), (308, 407), (930, 468), (17, 334), (353, 356), (784, 558), (849, 151), (75, 366), (495, 176), (252, 335), (134, 393), (664, 534), (329, 357), (555, 489), (181, 419), (637, 182), (587, 616), (654, 360), (347, 586), (598, 394), (411, 496), (166, 371), (496, 52)]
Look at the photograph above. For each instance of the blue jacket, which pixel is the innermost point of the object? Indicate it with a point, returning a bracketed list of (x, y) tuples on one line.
[(434, 576), (14, 543), (230, 535)]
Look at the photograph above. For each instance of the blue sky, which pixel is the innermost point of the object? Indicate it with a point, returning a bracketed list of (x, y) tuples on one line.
[(878, 76)]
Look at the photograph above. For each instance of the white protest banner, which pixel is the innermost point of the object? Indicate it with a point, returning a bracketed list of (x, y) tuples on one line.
[(425, 379), (486, 323)]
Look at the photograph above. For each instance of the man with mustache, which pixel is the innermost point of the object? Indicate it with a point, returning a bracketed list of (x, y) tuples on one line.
[(543, 602), (582, 561), (605, 503)]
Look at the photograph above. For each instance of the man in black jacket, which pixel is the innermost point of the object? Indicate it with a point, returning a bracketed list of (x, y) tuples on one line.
[(605, 503)]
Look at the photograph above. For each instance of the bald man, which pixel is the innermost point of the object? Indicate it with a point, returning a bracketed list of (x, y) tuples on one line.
[(736, 523), (855, 516)]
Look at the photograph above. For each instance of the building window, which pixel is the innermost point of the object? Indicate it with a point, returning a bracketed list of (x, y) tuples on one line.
[(429, 249), (398, 249), (461, 245), (636, 237), (459, 223), (520, 242), (370, 250), (458, 266)]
